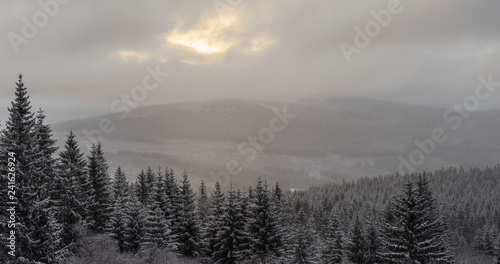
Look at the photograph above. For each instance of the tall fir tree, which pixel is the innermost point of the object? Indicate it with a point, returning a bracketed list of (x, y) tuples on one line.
[(117, 225), (356, 250), (373, 246), (413, 232), (203, 204), (101, 185), (165, 203), (134, 221), (186, 227), (72, 169), (26, 144), (281, 211), (173, 204), (54, 232), (65, 203), (302, 242), (142, 188), (157, 232), (332, 251), (217, 209), (231, 237), (56, 187), (263, 229)]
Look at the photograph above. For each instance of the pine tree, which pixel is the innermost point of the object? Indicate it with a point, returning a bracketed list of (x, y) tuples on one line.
[(332, 253), (217, 209), (59, 213), (302, 250), (373, 246), (134, 231), (186, 227), (27, 142), (64, 203), (142, 188), (157, 232), (165, 203), (356, 251), (230, 240), (150, 179), (413, 232), (245, 203), (45, 147), (145, 182), (71, 168), (203, 204), (101, 185), (173, 204), (262, 225), (120, 185), (117, 225), (280, 210), (55, 235)]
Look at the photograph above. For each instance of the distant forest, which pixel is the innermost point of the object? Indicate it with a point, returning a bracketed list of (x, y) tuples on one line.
[(58, 206)]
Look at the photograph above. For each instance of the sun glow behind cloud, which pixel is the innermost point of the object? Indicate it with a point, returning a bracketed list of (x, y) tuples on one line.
[(210, 37)]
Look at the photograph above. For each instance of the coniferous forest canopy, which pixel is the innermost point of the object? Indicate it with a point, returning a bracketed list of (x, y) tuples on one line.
[(62, 206)]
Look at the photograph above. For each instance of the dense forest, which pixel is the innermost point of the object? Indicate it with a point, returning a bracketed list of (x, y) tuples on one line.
[(60, 206)]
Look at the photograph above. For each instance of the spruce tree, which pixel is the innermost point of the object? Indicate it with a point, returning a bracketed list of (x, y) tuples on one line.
[(60, 212), (217, 210), (18, 146), (373, 246), (281, 211), (142, 188), (55, 235), (431, 227), (246, 205), (27, 142), (262, 225), (135, 230), (65, 203), (413, 232), (101, 185), (302, 251), (231, 238), (157, 232), (203, 204), (186, 226), (356, 251), (72, 170), (164, 201), (332, 252), (173, 203), (117, 225)]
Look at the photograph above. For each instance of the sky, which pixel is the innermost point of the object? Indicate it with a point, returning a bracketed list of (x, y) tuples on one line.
[(82, 58)]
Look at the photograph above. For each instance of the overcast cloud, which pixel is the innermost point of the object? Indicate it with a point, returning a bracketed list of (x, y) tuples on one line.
[(91, 52)]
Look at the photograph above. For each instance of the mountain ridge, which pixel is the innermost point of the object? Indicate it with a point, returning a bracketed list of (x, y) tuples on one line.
[(328, 141)]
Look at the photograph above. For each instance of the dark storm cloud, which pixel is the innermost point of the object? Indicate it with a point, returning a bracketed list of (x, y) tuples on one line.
[(92, 52)]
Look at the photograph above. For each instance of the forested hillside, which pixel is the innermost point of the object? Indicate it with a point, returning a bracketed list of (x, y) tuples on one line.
[(327, 141), (58, 206)]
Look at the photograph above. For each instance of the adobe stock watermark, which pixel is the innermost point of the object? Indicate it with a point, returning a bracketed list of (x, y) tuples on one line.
[(253, 145), (125, 103), (40, 19), (372, 29), (453, 116)]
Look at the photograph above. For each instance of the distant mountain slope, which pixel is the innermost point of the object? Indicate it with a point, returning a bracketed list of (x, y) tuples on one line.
[(328, 140)]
